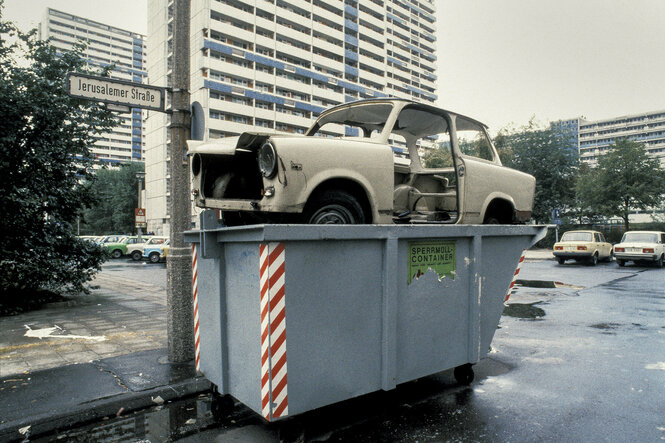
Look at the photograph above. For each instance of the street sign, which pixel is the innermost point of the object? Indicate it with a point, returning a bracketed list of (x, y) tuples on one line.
[(117, 92), (140, 218)]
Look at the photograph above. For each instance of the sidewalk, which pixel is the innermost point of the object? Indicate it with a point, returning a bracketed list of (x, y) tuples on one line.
[(88, 358), (539, 254), (61, 397)]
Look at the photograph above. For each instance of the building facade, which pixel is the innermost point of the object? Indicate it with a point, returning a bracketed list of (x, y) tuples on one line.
[(569, 131), (593, 138), (274, 65), (106, 45)]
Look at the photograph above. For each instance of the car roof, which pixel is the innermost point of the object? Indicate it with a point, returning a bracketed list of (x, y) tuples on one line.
[(425, 106), (644, 232)]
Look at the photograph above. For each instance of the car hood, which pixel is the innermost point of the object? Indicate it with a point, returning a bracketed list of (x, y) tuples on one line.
[(228, 145)]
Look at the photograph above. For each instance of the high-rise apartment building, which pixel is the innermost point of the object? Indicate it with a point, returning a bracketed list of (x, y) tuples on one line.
[(569, 131), (274, 65), (593, 138), (106, 45)]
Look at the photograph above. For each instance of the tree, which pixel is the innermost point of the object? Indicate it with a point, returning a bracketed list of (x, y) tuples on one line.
[(546, 155), (440, 157), (45, 163), (114, 212), (625, 180)]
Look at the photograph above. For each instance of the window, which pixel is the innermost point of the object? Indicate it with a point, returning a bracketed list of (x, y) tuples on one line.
[(263, 105), (473, 140)]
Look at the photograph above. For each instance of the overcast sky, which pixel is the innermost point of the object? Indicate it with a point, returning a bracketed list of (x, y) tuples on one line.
[(504, 61)]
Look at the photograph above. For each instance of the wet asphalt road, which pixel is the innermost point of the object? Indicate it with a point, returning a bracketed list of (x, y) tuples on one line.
[(579, 360)]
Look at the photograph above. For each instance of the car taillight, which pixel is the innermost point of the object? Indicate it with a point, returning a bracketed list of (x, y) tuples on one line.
[(581, 248), (647, 250), (619, 250), (558, 248)]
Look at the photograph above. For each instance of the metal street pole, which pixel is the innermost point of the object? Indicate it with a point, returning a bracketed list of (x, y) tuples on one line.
[(140, 176), (180, 321)]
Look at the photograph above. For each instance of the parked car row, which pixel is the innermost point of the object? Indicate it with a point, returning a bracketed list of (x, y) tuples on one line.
[(151, 248), (640, 247)]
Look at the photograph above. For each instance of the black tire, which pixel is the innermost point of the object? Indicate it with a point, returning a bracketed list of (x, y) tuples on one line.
[(621, 263), (561, 260), (136, 255), (334, 207), (593, 261), (464, 374), (222, 406), (154, 257), (116, 253), (491, 220), (659, 262)]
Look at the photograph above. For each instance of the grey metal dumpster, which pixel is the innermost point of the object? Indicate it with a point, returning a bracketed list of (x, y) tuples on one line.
[(295, 317)]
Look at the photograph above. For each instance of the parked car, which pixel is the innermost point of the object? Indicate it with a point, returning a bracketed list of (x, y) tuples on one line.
[(107, 239), (156, 253), (136, 250), (589, 246), (641, 247), (119, 249), (401, 161)]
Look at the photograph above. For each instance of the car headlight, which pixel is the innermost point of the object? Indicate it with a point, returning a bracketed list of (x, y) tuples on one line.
[(267, 160)]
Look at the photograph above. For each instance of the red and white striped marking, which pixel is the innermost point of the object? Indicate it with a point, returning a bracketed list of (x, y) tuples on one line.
[(517, 271), (274, 398), (195, 284)]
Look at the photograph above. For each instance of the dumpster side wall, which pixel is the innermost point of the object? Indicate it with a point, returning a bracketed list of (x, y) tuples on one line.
[(211, 329), (333, 321), (241, 293), (432, 316), (500, 256)]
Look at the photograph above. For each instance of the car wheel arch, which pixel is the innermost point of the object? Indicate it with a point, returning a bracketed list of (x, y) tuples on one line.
[(501, 209), (356, 189)]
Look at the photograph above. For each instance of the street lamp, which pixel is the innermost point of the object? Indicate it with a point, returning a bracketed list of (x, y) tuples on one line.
[(140, 176)]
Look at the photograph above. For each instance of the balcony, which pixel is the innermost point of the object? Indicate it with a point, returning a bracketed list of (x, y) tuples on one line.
[(327, 46), (363, 59), (335, 18), (293, 120), (320, 60)]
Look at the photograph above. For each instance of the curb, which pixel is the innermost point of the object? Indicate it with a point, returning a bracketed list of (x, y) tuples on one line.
[(103, 407)]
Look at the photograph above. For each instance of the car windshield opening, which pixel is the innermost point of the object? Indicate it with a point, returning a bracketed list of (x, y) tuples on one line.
[(358, 121)]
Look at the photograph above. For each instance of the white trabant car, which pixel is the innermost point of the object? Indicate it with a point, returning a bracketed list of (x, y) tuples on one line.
[(641, 247), (588, 246), (136, 250), (401, 162)]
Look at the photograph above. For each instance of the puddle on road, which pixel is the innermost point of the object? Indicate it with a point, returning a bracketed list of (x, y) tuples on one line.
[(547, 284), (524, 310), (168, 422), (606, 328), (605, 325)]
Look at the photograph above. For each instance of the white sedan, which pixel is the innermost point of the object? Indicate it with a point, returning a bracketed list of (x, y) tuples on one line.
[(641, 247)]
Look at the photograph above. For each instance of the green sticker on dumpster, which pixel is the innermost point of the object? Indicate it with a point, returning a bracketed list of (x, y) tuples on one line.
[(437, 255)]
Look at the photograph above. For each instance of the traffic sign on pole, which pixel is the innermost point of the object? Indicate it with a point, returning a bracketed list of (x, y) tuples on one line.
[(140, 218), (117, 92)]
